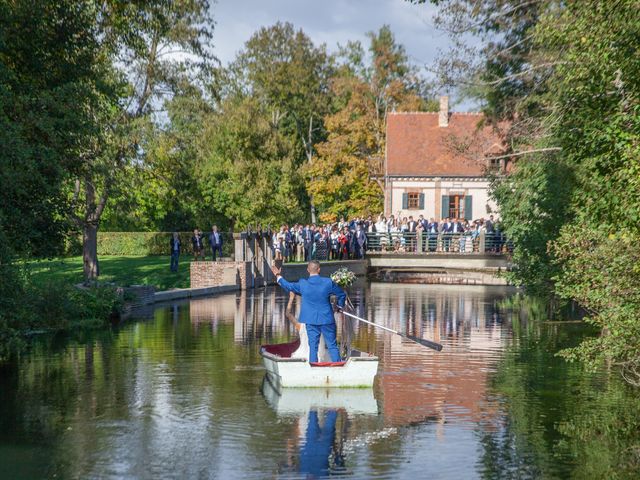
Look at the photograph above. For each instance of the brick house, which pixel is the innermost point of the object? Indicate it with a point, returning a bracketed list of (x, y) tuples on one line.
[(436, 164)]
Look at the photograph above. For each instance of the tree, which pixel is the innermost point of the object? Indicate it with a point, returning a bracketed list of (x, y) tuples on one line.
[(248, 166), (571, 95), (163, 193), (289, 76), (46, 64), (341, 179), (279, 83), (149, 50)]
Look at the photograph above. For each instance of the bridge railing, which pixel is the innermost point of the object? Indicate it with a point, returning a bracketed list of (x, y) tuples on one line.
[(425, 243)]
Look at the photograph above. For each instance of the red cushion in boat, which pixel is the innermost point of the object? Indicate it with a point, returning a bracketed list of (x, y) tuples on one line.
[(327, 364), (283, 350)]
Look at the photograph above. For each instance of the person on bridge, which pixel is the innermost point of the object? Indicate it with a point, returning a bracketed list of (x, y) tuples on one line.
[(316, 310), (215, 241)]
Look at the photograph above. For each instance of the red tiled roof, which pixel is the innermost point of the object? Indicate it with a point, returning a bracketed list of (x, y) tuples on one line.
[(417, 146)]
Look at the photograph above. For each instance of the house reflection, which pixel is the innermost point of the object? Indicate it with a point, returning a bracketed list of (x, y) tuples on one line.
[(417, 383)]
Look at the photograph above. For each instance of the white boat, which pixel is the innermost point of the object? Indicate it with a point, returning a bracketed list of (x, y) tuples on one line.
[(358, 371)]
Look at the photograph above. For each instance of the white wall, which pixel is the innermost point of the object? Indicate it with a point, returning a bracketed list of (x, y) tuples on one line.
[(478, 189)]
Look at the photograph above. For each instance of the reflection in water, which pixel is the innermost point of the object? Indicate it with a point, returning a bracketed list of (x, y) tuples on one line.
[(316, 448), (318, 443), (179, 396)]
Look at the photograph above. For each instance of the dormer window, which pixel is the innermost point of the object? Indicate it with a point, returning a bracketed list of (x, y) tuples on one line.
[(495, 165)]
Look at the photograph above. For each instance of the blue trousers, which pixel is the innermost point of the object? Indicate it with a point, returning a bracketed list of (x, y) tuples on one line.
[(214, 249), (329, 334), (174, 261)]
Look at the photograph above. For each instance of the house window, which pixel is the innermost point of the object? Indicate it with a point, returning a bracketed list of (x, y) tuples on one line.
[(413, 201), (456, 206)]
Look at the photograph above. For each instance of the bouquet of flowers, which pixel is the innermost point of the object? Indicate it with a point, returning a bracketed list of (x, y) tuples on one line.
[(343, 277)]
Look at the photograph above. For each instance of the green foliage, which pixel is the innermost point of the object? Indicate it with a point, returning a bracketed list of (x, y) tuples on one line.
[(46, 69), (602, 273), (562, 80), (28, 307), (534, 204), (148, 52), (248, 169), (59, 307), (12, 291), (267, 123), (365, 90), (289, 77), (165, 194), (137, 243)]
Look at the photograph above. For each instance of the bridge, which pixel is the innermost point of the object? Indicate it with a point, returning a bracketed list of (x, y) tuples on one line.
[(443, 258)]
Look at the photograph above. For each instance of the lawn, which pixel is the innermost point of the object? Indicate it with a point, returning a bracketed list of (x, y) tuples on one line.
[(123, 271)]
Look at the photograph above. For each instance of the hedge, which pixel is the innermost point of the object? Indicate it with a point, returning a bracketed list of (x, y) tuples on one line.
[(153, 243)]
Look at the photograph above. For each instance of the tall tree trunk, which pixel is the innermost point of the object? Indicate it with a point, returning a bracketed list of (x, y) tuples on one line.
[(90, 223), (90, 252), (308, 146), (313, 210)]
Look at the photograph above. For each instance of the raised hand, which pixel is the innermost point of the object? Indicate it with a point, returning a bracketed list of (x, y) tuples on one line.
[(276, 270)]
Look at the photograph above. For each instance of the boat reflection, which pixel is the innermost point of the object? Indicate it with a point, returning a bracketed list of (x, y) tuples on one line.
[(323, 416), (297, 401)]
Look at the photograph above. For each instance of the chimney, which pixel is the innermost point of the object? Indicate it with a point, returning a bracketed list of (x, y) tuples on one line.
[(443, 117)]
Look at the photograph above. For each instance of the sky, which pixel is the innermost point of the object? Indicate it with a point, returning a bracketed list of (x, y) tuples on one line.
[(333, 22)]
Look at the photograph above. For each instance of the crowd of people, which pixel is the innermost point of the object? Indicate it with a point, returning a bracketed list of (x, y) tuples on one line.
[(407, 234), (351, 239), (337, 241)]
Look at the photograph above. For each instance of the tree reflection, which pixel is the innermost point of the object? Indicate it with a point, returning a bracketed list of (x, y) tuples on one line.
[(559, 420)]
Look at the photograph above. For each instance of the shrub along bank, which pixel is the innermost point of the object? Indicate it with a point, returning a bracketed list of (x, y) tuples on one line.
[(28, 307), (153, 243)]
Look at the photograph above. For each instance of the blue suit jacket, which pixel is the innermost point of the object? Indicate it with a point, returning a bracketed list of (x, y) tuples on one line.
[(212, 239), (315, 290)]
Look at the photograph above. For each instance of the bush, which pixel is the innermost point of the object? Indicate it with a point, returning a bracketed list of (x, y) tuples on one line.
[(63, 307), (152, 243), (27, 308), (602, 273)]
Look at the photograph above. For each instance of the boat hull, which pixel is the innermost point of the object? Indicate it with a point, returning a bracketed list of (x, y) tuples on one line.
[(358, 371)]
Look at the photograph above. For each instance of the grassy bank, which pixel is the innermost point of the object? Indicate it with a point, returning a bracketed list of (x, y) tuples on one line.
[(123, 271), (40, 296)]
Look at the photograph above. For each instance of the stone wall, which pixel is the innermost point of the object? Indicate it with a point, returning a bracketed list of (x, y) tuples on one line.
[(218, 274), (440, 277), (138, 301)]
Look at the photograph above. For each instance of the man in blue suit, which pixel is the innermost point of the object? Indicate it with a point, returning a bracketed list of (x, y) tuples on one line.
[(215, 241), (316, 311)]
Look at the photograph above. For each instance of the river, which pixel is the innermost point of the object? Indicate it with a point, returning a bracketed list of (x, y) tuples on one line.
[(181, 394)]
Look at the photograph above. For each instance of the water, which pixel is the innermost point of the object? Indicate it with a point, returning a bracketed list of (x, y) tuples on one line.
[(181, 395)]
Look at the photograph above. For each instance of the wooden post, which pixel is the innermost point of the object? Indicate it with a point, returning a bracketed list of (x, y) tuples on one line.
[(259, 280), (268, 260)]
